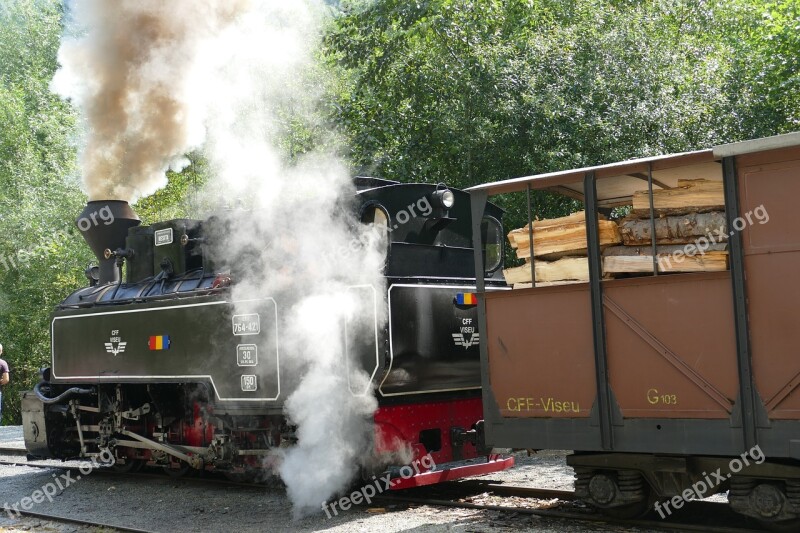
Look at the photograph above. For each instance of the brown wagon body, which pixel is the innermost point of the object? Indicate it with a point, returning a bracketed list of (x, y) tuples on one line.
[(657, 379)]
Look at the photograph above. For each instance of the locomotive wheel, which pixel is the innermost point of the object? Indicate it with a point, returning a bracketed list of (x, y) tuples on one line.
[(130, 465), (182, 470), (241, 477)]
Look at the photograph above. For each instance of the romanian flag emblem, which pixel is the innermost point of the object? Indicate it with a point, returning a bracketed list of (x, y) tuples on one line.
[(159, 342), (466, 298)]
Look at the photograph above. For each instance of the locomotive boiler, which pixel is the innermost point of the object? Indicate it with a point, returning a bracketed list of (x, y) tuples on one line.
[(155, 361)]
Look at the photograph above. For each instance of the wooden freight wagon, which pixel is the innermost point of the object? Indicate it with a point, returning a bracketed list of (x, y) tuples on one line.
[(673, 356)]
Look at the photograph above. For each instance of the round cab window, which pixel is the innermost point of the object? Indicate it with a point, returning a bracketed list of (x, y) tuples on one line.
[(492, 238), (375, 214)]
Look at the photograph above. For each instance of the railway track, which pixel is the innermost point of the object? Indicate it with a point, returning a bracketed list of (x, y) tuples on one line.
[(13, 451), (17, 452), (153, 473), (102, 470), (462, 495), (85, 523), (457, 494), (501, 489)]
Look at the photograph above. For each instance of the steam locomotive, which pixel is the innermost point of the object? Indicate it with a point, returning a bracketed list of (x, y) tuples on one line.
[(155, 362)]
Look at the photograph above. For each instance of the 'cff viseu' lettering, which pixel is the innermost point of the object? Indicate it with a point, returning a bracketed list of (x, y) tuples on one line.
[(548, 405)]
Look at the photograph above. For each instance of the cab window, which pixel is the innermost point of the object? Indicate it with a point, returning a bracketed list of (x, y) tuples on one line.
[(376, 216), (492, 238)]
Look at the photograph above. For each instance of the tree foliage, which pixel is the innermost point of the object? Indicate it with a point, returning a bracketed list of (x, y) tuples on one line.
[(773, 59), (42, 255), (462, 92)]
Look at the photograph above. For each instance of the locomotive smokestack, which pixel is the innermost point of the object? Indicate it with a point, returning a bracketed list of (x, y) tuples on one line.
[(104, 224)]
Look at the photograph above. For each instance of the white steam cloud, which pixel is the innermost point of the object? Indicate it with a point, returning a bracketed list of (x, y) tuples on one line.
[(132, 67), (155, 79), (298, 245)]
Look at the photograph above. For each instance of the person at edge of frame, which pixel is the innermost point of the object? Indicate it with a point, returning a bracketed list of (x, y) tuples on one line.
[(3, 381)]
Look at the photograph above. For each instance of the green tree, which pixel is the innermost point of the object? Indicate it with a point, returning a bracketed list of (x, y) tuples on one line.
[(42, 256), (463, 92), (769, 33)]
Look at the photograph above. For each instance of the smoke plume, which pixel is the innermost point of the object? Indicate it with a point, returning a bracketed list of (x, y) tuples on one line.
[(133, 68), (155, 79)]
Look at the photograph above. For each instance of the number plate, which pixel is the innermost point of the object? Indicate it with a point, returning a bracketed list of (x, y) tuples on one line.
[(249, 384), (247, 355), (163, 236), (247, 324)]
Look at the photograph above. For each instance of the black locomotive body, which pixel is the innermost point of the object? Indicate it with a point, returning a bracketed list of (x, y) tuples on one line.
[(165, 368)]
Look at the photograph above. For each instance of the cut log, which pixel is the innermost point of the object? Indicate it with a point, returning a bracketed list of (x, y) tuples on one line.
[(568, 268), (551, 242), (682, 229), (709, 262), (661, 249), (546, 284), (575, 218), (689, 196)]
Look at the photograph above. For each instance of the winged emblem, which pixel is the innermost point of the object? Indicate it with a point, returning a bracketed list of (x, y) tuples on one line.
[(461, 341), (119, 349)]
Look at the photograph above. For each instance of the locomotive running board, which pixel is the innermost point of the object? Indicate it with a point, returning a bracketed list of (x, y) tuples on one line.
[(494, 463)]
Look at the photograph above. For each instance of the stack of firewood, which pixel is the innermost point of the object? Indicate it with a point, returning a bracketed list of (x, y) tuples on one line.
[(688, 217), (691, 236), (559, 249)]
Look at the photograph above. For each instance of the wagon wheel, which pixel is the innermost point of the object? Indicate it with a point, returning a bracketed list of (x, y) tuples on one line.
[(628, 512), (607, 489)]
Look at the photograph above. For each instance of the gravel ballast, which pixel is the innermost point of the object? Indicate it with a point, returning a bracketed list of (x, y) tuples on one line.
[(177, 505)]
